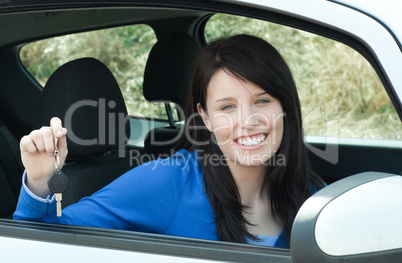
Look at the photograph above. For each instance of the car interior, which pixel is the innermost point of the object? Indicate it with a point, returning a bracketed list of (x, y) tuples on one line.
[(26, 105)]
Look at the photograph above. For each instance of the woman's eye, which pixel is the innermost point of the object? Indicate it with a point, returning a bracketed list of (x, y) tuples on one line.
[(227, 107), (262, 101)]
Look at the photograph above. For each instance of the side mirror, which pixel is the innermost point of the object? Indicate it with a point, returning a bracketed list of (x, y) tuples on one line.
[(356, 219)]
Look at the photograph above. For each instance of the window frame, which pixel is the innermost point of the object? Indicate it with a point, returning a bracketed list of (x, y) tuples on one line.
[(131, 241), (152, 243)]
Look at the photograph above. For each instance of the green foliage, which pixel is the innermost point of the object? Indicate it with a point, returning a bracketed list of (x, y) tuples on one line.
[(334, 82), (325, 71)]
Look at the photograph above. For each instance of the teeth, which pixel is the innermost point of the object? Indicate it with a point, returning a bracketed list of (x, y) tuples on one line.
[(251, 141)]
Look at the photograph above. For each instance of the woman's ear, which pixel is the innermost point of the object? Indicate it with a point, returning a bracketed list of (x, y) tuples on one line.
[(204, 117)]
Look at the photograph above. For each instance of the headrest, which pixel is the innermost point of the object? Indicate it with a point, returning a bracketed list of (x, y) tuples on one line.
[(85, 95), (169, 67)]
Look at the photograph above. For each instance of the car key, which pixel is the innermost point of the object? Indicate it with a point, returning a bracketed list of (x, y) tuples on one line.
[(58, 181)]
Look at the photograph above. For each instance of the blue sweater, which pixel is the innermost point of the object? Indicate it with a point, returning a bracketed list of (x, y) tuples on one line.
[(165, 196)]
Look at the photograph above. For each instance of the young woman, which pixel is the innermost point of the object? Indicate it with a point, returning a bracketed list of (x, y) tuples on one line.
[(241, 173)]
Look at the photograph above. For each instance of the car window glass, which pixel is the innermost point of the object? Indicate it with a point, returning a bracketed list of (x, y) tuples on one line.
[(340, 93), (124, 50)]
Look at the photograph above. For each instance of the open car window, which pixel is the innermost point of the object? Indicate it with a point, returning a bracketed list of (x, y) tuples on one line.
[(336, 84), (340, 93)]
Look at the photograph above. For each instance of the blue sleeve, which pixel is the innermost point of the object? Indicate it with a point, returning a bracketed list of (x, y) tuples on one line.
[(31, 207), (143, 199)]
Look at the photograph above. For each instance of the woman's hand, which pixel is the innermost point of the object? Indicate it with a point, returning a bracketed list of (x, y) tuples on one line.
[(37, 154)]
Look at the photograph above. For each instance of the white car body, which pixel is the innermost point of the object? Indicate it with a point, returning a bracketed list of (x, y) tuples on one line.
[(376, 24)]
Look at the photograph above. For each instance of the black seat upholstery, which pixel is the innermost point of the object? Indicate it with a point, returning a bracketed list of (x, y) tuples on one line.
[(167, 78), (10, 172), (86, 97)]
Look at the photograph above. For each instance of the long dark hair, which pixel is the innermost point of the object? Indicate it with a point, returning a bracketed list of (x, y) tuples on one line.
[(253, 59)]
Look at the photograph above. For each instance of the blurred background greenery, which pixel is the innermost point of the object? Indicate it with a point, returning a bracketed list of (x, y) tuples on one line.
[(340, 92)]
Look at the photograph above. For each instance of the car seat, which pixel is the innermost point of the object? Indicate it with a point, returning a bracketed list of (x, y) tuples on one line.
[(85, 95), (11, 170), (167, 79)]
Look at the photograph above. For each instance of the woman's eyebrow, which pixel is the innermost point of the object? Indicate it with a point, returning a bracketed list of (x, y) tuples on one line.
[(223, 99), (231, 98)]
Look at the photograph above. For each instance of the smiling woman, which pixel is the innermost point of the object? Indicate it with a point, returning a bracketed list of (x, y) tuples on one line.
[(243, 199), (245, 92)]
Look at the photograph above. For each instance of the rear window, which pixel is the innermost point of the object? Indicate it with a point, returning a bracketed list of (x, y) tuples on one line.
[(124, 50)]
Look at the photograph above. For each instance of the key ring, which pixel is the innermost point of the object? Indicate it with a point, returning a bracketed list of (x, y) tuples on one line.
[(56, 155)]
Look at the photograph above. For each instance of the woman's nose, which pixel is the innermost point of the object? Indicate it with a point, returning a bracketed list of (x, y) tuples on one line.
[(249, 118)]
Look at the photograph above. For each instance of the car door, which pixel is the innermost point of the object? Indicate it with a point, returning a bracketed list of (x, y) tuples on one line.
[(333, 156)]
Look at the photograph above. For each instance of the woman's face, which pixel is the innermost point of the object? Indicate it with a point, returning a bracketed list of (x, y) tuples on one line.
[(247, 121)]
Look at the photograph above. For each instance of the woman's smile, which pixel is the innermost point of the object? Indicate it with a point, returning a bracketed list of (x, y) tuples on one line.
[(252, 142)]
